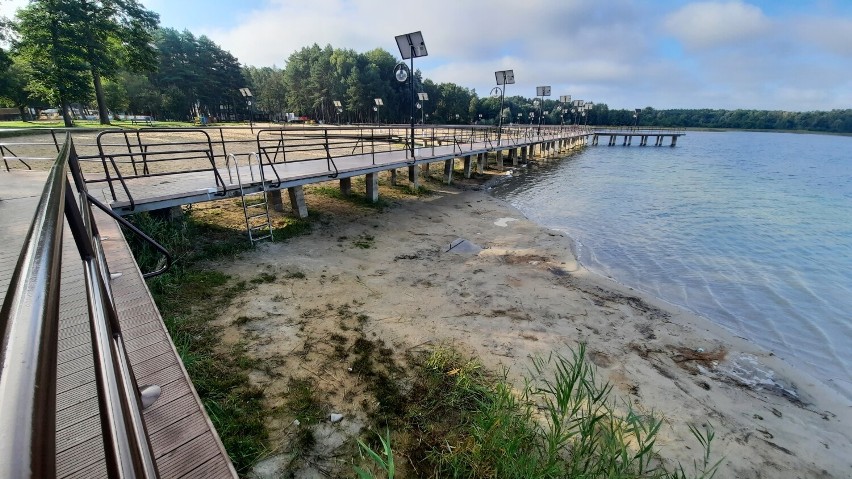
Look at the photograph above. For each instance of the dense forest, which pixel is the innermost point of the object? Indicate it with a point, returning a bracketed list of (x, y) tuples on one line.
[(109, 57)]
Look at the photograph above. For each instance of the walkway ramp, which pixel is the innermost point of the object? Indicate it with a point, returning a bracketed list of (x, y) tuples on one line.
[(183, 440)]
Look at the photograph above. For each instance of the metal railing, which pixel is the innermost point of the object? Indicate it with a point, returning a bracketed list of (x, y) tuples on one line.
[(29, 321), (115, 159)]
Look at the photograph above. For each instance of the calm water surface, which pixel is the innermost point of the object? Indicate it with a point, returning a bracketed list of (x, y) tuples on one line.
[(751, 230)]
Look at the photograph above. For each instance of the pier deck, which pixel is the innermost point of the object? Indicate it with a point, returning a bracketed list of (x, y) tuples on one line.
[(184, 441)]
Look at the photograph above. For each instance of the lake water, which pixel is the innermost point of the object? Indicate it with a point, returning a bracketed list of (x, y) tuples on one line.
[(750, 230)]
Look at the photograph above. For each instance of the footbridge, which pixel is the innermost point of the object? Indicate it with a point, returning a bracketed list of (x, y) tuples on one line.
[(91, 384)]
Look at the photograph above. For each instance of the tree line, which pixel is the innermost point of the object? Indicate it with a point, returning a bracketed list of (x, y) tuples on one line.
[(113, 55)]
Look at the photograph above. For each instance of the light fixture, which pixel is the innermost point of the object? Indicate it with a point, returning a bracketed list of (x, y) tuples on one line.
[(411, 46), (504, 77)]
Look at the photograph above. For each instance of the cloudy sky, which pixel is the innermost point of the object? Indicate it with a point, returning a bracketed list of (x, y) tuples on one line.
[(764, 54)]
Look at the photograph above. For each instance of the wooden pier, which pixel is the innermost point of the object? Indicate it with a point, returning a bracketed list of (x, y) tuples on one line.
[(643, 134), (160, 170)]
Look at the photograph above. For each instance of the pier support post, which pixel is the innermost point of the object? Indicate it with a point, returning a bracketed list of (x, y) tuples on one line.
[(297, 201), (482, 159), (413, 177), (499, 159), (524, 154), (372, 187), (393, 177), (467, 166), (424, 169), (448, 171), (346, 186), (513, 154), (674, 140), (273, 197)]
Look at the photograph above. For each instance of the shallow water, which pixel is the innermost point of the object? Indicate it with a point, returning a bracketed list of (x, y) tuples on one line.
[(751, 230)]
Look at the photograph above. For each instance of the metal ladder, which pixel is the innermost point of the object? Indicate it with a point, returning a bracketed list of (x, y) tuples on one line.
[(258, 223)]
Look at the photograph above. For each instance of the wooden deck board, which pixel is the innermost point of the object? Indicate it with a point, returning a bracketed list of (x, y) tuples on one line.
[(80, 450)]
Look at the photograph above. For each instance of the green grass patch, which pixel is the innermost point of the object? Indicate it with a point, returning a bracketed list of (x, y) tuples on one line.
[(355, 199), (364, 241), (264, 277)]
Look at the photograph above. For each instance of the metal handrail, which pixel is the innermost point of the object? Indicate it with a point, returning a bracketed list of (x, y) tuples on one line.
[(29, 321)]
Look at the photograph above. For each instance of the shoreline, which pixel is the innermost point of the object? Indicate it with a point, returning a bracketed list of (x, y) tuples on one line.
[(525, 294)]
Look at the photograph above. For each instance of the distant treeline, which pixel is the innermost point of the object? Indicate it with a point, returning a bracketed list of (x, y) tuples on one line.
[(834, 121), (111, 57)]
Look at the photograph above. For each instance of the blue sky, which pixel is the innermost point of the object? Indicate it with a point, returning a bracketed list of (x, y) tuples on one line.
[(766, 54)]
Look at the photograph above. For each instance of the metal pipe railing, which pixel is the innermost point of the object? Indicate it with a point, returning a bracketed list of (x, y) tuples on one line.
[(29, 321)]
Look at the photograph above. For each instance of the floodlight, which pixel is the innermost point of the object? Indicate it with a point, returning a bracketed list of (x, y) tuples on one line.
[(505, 77), (411, 45)]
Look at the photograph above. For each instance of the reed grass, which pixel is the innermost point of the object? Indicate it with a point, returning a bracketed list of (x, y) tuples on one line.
[(562, 423)]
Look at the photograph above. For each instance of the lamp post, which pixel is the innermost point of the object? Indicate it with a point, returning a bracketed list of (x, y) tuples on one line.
[(339, 107), (532, 116), (520, 115), (589, 107), (422, 96), (578, 107), (504, 77), (410, 45), (480, 118), (379, 103), (246, 93), (636, 117), (566, 103), (541, 91)]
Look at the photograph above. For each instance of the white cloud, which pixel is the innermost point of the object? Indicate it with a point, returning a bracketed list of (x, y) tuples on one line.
[(711, 24), (832, 34)]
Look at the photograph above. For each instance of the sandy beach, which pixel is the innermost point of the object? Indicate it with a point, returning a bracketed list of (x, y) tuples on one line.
[(510, 291)]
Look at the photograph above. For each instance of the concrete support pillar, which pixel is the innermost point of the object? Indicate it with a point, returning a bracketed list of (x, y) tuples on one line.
[(273, 198), (524, 154), (448, 171), (499, 159), (467, 166), (297, 201), (424, 168), (482, 159), (513, 154), (373, 187), (413, 177), (393, 177), (346, 186), (674, 140)]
